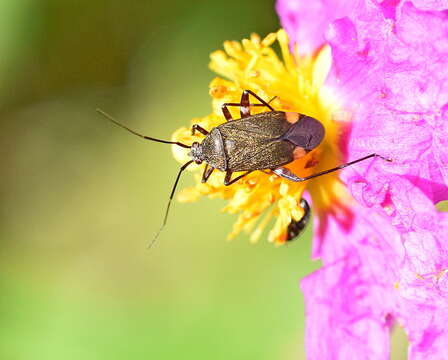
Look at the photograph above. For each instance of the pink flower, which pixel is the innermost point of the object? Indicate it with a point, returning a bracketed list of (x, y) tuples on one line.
[(389, 263)]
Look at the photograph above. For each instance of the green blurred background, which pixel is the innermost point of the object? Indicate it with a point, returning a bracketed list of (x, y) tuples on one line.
[(81, 198)]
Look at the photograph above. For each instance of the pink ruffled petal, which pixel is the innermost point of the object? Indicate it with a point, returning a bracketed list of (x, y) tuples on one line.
[(343, 321), (401, 273), (424, 290), (431, 4), (396, 84), (306, 21), (390, 70)]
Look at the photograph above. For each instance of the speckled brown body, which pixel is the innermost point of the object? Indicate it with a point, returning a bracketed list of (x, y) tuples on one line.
[(262, 141)]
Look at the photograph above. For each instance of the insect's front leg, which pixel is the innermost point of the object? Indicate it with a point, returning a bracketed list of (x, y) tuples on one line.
[(198, 128), (229, 173), (207, 172)]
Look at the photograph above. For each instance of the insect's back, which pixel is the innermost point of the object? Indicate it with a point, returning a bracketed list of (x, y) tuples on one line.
[(254, 143)]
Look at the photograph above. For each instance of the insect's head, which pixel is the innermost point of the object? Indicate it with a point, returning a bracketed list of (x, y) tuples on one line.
[(196, 153)]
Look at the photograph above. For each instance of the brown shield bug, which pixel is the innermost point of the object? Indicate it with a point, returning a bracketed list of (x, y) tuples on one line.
[(265, 141)]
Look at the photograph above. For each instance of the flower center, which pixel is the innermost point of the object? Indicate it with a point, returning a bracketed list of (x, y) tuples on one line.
[(291, 84)]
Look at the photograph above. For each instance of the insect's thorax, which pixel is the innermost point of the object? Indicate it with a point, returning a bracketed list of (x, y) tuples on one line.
[(213, 150)]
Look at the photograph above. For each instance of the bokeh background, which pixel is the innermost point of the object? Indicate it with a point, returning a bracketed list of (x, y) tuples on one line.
[(81, 198)]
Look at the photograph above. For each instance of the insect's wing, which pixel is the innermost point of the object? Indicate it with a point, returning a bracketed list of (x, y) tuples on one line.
[(261, 155), (251, 143), (306, 133), (266, 125)]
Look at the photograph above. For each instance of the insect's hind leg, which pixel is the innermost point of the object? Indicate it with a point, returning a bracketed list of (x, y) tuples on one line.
[(287, 174)]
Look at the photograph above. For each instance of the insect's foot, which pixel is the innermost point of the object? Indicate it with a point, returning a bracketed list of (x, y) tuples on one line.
[(384, 158)]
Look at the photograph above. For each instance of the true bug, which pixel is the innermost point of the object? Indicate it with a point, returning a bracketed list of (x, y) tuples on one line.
[(265, 141), (295, 228)]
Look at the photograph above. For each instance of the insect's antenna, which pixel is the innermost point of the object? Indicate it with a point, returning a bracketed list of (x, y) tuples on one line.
[(110, 118), (184, 166)]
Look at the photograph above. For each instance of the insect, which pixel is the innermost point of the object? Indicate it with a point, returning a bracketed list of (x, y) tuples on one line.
[(295, 228), (264, 141)]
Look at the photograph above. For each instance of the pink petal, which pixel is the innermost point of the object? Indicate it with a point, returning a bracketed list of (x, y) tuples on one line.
[(306, 21), (342, 319), (395, 80), (376, 273), (387, 259)]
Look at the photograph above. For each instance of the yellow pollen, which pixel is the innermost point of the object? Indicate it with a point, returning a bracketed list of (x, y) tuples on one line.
[(419, 276), (296, 84)]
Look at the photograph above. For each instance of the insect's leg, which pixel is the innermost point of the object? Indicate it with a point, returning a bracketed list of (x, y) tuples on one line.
[(207, 172), (290, 176), (229, 173), (183, 167), (198, 128), (244, 105), (226, 111), (287, 174), (258, 98)]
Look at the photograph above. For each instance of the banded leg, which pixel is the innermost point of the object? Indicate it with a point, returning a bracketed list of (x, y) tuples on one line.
[(287, 174), (199, 128), (246, 94), (245, 105), (229, 173), (207, 172)]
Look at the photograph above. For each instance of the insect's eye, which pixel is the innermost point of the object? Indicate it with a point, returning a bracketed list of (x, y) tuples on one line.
[(198, 162)]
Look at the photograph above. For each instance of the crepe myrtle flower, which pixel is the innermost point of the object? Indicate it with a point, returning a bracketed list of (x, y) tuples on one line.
[(375, 75), (388, 264)]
